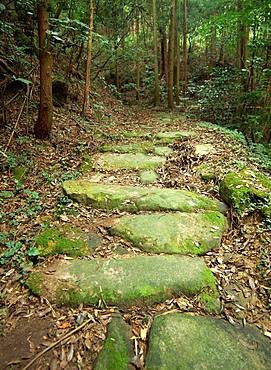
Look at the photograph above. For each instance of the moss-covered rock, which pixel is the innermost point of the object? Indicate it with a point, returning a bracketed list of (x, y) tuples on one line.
[(144, 147), (117, 353), (204, 149), (148, 177), (133, 199), (110, 161), (180, 341), (163, 151), (136, 135), (180, 233), (205, 172), (86, 164), (175, 135), (66, 240), (140, 280), (247, 190)]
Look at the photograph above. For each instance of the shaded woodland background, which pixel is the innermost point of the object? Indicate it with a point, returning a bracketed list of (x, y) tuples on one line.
[(211, 58)]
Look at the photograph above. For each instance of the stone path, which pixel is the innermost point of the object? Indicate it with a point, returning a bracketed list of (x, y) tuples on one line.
[(180, 224)]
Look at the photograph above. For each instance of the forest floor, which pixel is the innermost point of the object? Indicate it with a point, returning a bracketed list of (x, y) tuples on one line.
[(30, 324)]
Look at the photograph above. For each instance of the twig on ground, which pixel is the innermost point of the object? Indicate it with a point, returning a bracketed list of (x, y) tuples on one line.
[(66, 336)]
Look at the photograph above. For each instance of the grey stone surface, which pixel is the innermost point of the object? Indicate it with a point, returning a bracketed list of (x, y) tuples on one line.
[(179, 341)]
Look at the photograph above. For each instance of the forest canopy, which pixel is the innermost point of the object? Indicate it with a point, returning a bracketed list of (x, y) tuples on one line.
[(215, 52)]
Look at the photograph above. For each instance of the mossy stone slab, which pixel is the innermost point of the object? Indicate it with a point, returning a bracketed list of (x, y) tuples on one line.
[(117, 353), (133, 199), (247, 189), (204, 149), (175, 135), (172, 233), (67, 240), (139, 280), (111, 161), (128, 148), (136, 135), (180, 341), (163, 151), (148, 177)]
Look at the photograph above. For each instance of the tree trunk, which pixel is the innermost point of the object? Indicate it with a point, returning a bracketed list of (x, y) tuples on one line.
[(177, 54), (137, 60), (164, 54), (171, 55), (185, 49), (242, 39), (155, 51), (43, 126), (89, 57)]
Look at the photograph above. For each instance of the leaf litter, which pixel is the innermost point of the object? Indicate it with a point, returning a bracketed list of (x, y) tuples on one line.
[(241, 265)]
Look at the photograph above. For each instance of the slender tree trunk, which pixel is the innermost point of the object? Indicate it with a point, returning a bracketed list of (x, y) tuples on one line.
[(242, 38), (185, 49), (43, 125), (212, 61), (171, 55), (164, 54), (89, 57), (137, 60), (155, 51), (178, 54)]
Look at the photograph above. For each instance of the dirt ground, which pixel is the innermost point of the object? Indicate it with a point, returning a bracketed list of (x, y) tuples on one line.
[(73, 337)]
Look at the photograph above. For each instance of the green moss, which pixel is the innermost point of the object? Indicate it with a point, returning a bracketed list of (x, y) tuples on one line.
[(69, 241), (247, 189), (117, 352), (87, 164), (210, 302), (35, 283)]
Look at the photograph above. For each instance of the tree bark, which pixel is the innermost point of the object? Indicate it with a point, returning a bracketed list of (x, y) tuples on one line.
[(242, 39), (171, 55), (137, 60), (177, 54), (43, 126), (155, 59), (185, 49), (89, 58)]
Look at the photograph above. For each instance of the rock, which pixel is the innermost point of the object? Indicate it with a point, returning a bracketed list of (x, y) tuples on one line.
[(67, 240), (139, 280), (206, 172), (164, 151), (181, 233), (129, 148), (136, 135), (133, 199), (86, 164), (175, 135), (204, 149), (247, 190), (148, 177), (180, 341), (117, 353), (109, 161)]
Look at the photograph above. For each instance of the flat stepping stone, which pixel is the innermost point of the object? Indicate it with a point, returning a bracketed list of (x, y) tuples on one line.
[(133, 199), (175, 135), (148, 177), (117, 353), (162, 151), (171, 233), (67, 240), (204, 149), (129, 148), (180, 341), (139, 280), (136, 134), (110, 161)]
